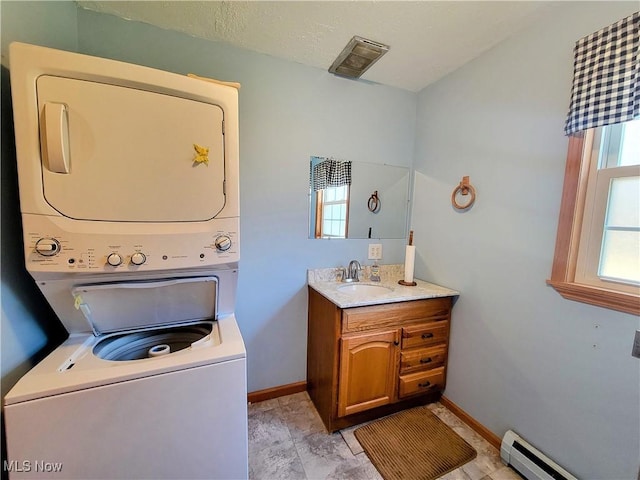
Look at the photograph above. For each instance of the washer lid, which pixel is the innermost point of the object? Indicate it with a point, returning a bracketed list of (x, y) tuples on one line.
[(114, 307)]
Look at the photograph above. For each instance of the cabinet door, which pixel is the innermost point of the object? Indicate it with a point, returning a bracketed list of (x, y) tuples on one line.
[(368, 371)]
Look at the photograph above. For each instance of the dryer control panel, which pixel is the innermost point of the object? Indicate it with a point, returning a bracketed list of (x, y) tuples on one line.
[(52, 248)]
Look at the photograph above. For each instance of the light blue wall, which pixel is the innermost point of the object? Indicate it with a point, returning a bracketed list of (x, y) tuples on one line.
[(558, 372), (288, 112), (29, 328)]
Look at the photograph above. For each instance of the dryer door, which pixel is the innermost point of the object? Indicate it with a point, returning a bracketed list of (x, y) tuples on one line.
[(115, 153)]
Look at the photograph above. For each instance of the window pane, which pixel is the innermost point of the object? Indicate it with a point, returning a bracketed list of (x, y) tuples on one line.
[(620, 145), (623, 209), (329, 194), (327, 227), (630, 151), (619, 258)]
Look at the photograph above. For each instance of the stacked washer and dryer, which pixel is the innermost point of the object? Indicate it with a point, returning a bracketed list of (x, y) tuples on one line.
[(128, 182)]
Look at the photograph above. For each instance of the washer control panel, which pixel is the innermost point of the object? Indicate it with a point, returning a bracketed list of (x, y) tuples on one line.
[(50, 249)]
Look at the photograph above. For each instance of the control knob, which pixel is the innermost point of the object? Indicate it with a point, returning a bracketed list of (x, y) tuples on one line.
[(48, 247), (138, 258), (222, 243), (114, 259)]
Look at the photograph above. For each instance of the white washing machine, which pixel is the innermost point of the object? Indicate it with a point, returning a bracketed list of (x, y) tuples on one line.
[(128, 183)]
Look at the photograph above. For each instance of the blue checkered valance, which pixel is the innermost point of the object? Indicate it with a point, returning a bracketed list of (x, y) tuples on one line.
[(330, 173), (606, 77)]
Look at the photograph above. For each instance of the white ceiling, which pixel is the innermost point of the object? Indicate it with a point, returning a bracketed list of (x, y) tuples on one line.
[(428, 39)]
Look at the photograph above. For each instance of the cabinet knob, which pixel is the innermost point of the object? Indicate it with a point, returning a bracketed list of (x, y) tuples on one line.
[(427, 335), (396, 343), (424, 385), (425, 360)]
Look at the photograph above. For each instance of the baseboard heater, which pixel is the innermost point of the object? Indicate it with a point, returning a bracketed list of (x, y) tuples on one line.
[(528, 461)]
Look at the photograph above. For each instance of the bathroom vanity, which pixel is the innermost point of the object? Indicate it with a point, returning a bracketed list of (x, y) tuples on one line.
[(374, 349)]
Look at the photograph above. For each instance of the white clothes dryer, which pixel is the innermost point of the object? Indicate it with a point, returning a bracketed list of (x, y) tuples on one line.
[(128, 182)]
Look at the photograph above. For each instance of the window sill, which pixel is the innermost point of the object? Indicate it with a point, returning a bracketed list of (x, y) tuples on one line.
[(623, 302)]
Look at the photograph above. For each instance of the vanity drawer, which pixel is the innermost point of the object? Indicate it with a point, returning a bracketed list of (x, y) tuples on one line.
[(425, 334), (395, 314), (422, 359), (421, 382)]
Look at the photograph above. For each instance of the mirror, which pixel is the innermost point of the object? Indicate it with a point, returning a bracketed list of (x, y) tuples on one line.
[(349, 199)]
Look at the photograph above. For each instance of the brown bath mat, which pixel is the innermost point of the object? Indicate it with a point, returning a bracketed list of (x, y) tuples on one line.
[(413, 444)]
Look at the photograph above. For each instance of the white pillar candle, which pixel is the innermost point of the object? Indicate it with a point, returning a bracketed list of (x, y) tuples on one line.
[(409, 259)]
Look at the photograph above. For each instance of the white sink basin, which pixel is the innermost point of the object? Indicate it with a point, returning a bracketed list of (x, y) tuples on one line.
[(360, 288)]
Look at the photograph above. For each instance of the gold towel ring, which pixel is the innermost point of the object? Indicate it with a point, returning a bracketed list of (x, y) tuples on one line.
[(374, 203), (464, 188)]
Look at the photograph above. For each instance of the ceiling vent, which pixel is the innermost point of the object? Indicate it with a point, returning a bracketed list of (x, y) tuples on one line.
[(357, 57)]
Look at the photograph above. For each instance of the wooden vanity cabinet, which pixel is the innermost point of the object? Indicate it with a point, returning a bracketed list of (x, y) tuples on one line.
[(366, 362)]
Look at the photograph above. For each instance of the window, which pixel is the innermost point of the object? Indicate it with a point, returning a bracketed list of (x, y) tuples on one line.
[(332, 212), (597, 257)]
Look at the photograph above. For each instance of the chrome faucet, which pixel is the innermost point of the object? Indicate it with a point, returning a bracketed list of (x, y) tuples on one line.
[(352, 271)]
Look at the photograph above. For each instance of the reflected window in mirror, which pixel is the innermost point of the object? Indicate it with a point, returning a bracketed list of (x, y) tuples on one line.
[(332, 212)]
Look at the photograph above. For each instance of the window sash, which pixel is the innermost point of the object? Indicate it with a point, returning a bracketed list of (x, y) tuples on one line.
[(593, 225)]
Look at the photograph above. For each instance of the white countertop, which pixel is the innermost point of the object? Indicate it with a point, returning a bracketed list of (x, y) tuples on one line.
[(321, 281)]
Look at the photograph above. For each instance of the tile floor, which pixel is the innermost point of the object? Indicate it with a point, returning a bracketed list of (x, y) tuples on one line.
[(287, 440)]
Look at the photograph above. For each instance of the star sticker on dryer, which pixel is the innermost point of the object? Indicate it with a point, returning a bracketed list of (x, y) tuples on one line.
[(202, 154)]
